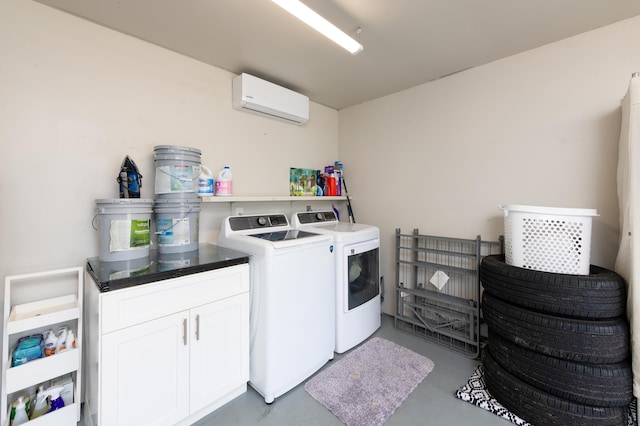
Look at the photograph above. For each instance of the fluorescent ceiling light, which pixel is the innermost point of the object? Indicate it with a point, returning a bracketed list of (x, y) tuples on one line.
[(317, 22)]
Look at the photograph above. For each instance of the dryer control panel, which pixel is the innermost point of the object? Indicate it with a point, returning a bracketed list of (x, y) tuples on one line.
[(306, 218)]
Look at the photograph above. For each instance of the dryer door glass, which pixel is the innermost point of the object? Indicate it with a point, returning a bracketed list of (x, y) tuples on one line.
[(363, 275)]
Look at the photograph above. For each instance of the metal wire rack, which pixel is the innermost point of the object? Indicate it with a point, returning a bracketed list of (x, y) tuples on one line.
[(438, 288)]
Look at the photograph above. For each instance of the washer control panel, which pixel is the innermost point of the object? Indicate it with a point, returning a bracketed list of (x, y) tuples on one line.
[(241, 223)]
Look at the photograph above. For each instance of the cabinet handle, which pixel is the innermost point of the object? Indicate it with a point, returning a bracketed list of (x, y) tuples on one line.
[(198, 327), (184, 331)]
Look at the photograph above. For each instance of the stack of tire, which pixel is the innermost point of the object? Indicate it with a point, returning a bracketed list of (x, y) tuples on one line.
[(558, 345)]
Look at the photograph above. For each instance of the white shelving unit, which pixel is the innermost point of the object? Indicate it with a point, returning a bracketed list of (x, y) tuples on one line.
[(259, 198), (26, 314)]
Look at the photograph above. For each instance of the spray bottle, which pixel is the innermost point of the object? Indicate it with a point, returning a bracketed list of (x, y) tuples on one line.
[(41, 406), (56, 400), (20, 415)]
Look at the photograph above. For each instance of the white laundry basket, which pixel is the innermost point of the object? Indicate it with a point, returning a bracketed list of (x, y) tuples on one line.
[(548, 239)]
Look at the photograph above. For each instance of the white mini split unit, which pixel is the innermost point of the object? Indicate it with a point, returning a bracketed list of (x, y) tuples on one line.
[(256, 95)]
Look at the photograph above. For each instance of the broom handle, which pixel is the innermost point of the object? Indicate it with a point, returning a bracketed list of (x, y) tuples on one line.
[(352, 218)]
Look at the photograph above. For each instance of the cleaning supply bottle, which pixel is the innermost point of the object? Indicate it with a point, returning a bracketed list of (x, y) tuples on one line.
[(50, 343), (56, 400), (20, 415), (71, 339), (41, 406), (224, 184), (205, 182), (337, 168), (61, 343)]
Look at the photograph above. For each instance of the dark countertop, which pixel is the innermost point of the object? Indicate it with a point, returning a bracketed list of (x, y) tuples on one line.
[(110, 276)]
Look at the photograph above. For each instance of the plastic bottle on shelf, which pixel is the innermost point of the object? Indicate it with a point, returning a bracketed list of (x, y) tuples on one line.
[(50, 343), (41, 406), (224, 184), (71, 339), (205, 182), (61, 343), (337, 167), (20, 415), (56, 399)]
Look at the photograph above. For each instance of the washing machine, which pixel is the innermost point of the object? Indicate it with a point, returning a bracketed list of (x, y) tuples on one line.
[(357, 280), (292, 299)]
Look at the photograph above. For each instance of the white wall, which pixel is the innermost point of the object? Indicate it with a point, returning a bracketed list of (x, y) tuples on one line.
[(539, 128), (75, 98)]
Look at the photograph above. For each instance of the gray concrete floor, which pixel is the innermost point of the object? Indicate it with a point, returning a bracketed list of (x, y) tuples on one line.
[(433, 402)]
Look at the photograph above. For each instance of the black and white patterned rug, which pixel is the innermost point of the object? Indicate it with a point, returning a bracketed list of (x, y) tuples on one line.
[(475, 392)]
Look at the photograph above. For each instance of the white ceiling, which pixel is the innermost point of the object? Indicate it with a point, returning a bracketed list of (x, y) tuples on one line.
[(406, 42)]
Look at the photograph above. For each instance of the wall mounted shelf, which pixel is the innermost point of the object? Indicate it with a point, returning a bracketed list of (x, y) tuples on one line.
[(266, 198)]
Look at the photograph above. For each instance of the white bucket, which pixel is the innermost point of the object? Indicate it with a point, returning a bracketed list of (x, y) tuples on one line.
[(124, 225), (177, 225), (177, 171)]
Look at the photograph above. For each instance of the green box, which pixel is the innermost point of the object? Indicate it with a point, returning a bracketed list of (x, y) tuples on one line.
[(303, 182)]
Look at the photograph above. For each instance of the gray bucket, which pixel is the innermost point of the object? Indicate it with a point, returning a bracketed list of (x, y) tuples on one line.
[(125, 228), (177, 171), (177, 225)]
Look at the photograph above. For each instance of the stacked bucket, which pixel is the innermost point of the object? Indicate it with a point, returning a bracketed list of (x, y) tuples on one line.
[(177, 205), (125, 224)]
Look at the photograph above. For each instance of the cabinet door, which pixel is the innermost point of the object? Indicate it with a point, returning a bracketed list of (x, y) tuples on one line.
[(219, 349), (145, 373)]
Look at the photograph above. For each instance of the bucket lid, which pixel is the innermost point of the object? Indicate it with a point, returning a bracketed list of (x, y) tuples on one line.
[(176, 148), (172, 202), (548, 210), (126, 201)]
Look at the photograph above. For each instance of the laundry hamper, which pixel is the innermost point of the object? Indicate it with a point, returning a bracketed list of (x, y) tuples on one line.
[(548, 239)]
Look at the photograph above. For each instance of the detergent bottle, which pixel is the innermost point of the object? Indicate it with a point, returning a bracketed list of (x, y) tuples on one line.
[(205, 182), (41, 406), (50, 343), (61, 343), (224, 185)]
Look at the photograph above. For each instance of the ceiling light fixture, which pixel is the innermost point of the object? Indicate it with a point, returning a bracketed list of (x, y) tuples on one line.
[(318, 23)]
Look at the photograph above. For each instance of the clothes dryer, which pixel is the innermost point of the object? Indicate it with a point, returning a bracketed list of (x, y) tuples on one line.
[(292, 299), (357, 280)]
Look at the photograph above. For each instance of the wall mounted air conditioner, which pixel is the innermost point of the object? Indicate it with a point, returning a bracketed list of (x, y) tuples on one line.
[(256, 95)]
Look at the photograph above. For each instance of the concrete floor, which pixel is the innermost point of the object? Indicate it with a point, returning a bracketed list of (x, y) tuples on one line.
[(433, 402)]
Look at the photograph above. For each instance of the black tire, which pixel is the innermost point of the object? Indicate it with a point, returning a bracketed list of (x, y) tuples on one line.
[(540, 408), (599, 295), (591, 342), (599, 385)]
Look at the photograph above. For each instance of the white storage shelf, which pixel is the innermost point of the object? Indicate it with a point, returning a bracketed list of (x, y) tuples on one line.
[(29, 316), (33, 317), (43, 369), (259, 198)]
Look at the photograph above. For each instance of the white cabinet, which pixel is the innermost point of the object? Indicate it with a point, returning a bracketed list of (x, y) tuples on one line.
[(34, 303), (146, 373), (168, 352)]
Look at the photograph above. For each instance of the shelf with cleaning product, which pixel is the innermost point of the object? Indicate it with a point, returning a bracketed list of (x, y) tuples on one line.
[(32, 371), (263, 198)]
